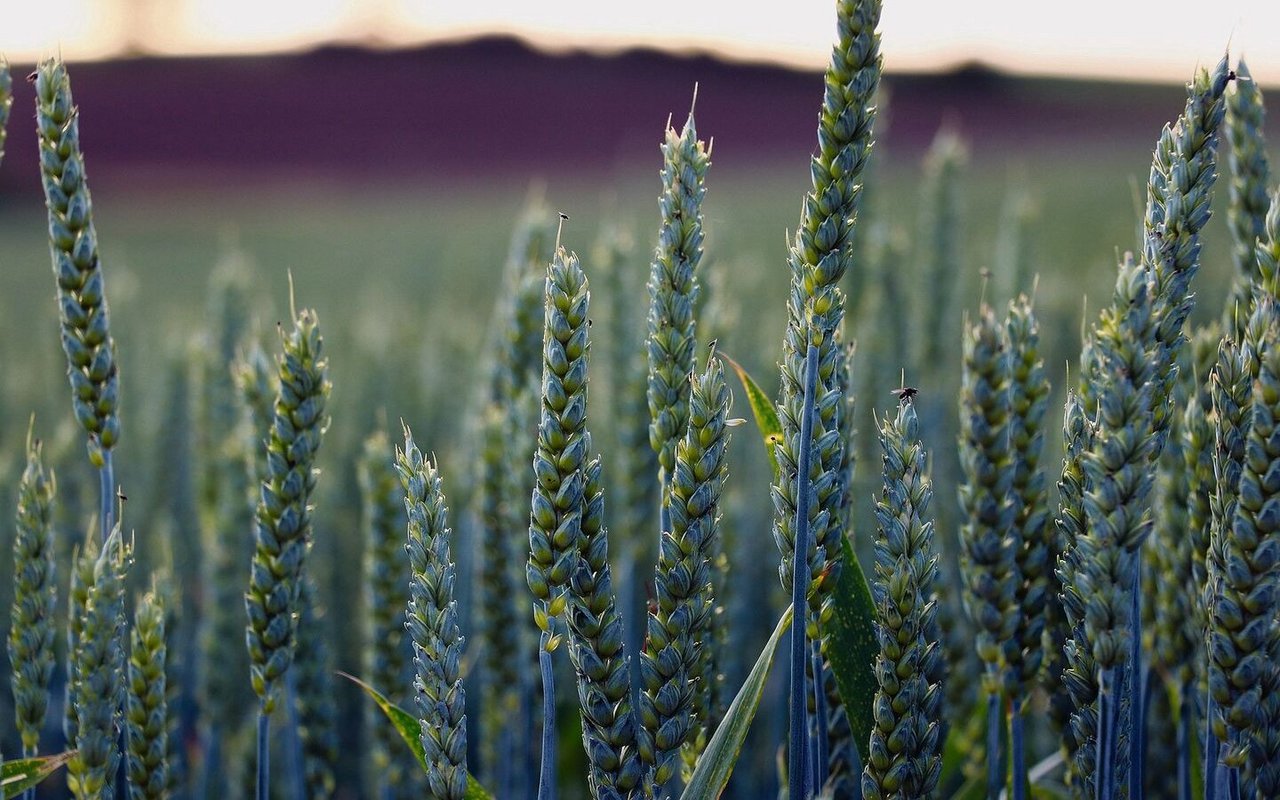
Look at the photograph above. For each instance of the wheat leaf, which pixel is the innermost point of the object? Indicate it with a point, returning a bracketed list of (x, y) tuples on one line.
[(716, 764)]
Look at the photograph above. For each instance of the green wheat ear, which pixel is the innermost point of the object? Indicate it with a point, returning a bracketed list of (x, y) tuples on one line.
[(147, 708), (988, 556), (98, 681), (904, 754), (1028, 395), (555, 526), (1248, 201), (820, 255), (673, 290), (73, 245), (33, 629), (674, 671), (432, 621), (1242, 580), (314, 697), (1072, 675), (283, 536)]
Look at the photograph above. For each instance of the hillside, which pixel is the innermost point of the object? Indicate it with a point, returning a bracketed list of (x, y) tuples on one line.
[(496, 107)]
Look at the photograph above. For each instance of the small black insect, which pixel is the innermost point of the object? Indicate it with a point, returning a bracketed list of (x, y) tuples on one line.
[(905, 394)]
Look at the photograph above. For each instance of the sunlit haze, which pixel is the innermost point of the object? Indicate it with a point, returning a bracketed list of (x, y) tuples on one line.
[(1133, 39)]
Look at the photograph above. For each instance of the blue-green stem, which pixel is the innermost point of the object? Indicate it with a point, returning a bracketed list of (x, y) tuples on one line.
[(547, 774), (1017, 755), (264, 756), (1210, 753), (30, 794), (212, 762), (1184, 743), (1138, 679), (1108, 724), (106, 495), (293, 739), (821, 746), (995, 721), (798, 762), (1138, 745), (1228, 777)]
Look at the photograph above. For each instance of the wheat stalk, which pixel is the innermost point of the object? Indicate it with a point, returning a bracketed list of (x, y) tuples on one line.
[(1248, 199), (283, 533), (673, 665), (819, 257), (432, 621), (33, 628), (146, 708), (904, 754), (97, 683), (1073, 676), (673, 290)]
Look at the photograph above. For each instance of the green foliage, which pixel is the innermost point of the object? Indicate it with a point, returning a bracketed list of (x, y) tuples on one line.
[(717, 762), (410, 730), (22, 775)]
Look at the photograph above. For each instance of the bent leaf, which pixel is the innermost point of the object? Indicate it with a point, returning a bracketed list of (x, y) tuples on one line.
[(410, 729), (762, 409), (850, 639), (20, 775), (711, 774)]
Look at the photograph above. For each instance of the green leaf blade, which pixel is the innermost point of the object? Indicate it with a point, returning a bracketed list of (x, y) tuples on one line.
[(851, 645), (20, 775), (409, 729), (762, 408), (712, 772)]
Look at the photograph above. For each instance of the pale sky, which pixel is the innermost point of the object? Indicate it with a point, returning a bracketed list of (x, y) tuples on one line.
[(1140, 39)]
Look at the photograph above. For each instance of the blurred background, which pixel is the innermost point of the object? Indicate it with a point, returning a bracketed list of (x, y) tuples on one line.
[(383, 152)]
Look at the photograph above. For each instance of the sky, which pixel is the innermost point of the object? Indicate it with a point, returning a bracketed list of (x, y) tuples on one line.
[(1128, 39)]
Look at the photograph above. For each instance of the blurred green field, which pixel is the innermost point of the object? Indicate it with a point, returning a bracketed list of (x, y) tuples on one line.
[(404, 281), (407, 275)]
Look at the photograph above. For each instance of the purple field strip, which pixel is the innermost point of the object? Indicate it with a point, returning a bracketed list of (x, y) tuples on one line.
[(497, 107)]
